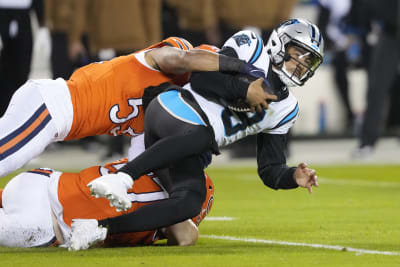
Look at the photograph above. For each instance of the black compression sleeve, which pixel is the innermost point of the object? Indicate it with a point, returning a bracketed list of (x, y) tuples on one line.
[(231, 64), (271, 161), (219, 85)]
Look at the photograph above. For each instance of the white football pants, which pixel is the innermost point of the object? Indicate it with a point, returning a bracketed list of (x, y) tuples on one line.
[(25, 219), (26, 128)]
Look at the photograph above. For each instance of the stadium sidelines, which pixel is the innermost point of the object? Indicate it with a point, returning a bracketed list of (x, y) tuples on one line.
[(286, 243)]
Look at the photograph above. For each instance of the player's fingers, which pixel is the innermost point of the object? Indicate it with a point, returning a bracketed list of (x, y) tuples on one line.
[(303, 165), (316, 181), (253, 109), (270, 96), (309, 187), (259, 81), (259, 108), (264, 104)]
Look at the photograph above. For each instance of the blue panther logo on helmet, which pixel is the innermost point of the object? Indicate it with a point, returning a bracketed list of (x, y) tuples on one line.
[(242, 39)]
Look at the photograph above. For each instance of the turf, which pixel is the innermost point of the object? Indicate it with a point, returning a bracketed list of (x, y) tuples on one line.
[(354, 207)]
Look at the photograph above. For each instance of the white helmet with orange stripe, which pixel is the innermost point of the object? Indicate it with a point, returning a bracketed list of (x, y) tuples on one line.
[(175, 42)]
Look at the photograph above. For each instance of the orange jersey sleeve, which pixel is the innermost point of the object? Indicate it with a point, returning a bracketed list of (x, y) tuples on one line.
[(106, 96), (77, 202)]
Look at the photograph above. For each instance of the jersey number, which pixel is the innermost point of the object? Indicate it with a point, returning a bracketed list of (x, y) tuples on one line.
[(245, 121), (134, 103)]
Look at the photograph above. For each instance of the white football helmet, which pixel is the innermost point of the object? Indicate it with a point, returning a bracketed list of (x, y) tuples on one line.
[(299, 33)]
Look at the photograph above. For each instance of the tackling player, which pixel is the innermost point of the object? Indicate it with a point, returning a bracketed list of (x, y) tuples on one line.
[(182, 127), (102, 98), (51, 200)]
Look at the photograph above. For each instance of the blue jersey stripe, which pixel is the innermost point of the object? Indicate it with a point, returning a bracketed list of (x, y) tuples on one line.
[(257, 53), (292, 114), (174, 104)]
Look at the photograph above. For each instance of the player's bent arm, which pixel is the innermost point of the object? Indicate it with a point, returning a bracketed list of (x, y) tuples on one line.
[(219, 85), (271, 161), (176, 61), (184, 233)]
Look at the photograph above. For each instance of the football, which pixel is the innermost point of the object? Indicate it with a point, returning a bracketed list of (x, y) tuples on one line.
[(241, 105)]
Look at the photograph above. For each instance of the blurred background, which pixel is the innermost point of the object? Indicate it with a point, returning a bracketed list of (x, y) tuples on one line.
[(345, 109)]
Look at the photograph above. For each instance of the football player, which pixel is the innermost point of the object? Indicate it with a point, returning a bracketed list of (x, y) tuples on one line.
[(102, 98), (182, 126), (39, 207)]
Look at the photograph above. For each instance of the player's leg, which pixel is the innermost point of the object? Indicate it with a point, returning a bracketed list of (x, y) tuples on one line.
[(25, 129), (171, 134), (173, 131), (186, 195), (25, 219)]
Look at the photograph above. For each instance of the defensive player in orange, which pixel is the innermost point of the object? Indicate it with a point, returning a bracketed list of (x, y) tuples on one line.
[(102, 98), (52, 200)]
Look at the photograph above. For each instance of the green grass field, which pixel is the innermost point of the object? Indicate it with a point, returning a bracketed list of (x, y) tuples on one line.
[(355, 207)]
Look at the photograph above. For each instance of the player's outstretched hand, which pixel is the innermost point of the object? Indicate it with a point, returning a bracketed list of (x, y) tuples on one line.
[(306, 177), (257, 97)]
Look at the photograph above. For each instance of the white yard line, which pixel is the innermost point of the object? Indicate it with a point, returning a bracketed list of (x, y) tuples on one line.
[(285, 243), (358, 182)]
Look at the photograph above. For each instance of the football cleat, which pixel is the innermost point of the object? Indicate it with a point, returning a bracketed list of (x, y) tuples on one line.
[(85, 234), (114, 187)]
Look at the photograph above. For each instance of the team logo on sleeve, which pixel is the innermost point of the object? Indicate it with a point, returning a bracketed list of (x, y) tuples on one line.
[(242, 39)]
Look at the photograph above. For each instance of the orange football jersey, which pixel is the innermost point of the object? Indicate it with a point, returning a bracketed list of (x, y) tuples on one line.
[(77, 202), (106, 96)]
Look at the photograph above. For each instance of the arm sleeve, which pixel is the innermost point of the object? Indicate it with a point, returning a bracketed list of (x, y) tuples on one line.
[(271, 161), (219, 85)]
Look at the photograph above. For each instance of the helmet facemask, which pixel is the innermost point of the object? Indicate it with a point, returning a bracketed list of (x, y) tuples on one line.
[(298, 65)]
